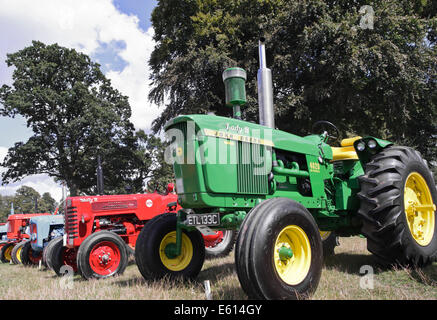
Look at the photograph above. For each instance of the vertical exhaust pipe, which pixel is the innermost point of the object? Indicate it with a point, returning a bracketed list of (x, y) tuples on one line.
[(265, 89), (100, 185)]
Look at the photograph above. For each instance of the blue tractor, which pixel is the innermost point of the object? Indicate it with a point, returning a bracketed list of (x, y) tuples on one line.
[(3, 231), (43, 229)]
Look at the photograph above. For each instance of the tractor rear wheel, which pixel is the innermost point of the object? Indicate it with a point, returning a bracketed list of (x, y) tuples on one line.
[(220, 245), (6, 252), (16, 252), (157, 240), (29, 256), (279, 252), (101, 255), (58, 256), (398, 204)]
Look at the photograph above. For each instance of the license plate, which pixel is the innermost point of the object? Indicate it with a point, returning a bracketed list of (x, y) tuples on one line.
[(208, 219)]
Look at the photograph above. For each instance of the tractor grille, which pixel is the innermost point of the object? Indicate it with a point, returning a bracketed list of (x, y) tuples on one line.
[(252, 178), (71, 223)]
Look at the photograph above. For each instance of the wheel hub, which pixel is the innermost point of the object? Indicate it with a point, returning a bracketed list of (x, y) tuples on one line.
[(419, 209)]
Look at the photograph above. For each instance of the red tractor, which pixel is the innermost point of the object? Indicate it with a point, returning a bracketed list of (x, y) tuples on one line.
[(101, 232), (17, 236)]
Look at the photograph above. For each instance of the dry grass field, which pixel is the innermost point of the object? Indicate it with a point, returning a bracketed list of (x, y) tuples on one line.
[(341, 280)]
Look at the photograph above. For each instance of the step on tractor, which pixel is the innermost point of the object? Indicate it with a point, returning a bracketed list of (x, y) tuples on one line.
[(101, 232), (42, 229), (17, 236), (283, 192)]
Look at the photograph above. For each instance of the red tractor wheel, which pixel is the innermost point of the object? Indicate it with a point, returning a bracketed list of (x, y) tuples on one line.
[(30, 256), (58, 256), (102, 255), (220, 244)]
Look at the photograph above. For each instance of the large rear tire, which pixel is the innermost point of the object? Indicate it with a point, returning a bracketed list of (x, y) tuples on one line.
[(153, 245), (398, 197), (101, 255), (279, 252)]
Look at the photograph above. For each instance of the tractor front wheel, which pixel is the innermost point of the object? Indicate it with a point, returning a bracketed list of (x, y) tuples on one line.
[(30, 256), (102, 254), (16, 252), (57, 256), (329, 242), (279, 252), (156, 245), (6, 252)]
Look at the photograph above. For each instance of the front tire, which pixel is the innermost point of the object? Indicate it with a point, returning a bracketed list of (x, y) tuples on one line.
[(57, 256), (16, 252), (156, 240), (6, 252), (30, 256), (398, 197), (101, 255), (279, 252)]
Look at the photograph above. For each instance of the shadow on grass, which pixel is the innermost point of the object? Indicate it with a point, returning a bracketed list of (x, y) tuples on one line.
[(351, 263)]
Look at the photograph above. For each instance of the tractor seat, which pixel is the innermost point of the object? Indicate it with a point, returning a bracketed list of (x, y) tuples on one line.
[(346, 151)]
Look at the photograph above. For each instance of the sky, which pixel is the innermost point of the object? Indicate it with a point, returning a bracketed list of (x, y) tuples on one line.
[(115, 33)]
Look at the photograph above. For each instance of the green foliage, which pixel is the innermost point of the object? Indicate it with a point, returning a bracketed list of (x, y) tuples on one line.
[(74, 114), (26, 200), (380, 81)]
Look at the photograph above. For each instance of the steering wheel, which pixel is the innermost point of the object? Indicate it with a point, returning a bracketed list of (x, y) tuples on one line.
[(322, 126)]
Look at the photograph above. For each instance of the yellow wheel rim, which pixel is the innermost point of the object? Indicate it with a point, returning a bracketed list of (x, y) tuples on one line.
[(8, 253), (183, 260), (18, 254), (419, 209), (292, 270), (324, 234)]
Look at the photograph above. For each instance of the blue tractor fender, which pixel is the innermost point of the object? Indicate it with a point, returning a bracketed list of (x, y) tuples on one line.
[(3, 232), (45, 228)]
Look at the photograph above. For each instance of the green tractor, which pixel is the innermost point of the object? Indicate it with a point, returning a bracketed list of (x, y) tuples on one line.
[(280, 191)]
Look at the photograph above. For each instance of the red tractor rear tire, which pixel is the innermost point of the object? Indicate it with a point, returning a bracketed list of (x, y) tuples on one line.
[(102, 254)]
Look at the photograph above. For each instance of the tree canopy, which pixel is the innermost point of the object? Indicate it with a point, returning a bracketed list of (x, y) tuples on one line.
[(75, 115), (378, 80), (26, 200)]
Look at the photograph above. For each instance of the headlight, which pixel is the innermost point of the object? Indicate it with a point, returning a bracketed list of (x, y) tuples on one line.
[(371, 144), (361, 146)]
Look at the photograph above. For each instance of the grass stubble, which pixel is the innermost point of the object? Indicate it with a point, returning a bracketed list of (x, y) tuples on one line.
[(345, 276)]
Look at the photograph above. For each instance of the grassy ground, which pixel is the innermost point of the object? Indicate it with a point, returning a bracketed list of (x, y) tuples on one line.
[(340, 280)]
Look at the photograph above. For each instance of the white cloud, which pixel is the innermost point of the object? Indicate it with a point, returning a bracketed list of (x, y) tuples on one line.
[(86, 26)]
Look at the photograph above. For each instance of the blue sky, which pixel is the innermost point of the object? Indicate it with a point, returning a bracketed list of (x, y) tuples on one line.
[(115, 33)]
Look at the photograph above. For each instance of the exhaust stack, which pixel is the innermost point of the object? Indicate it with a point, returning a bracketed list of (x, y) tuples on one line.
[(265, 89)]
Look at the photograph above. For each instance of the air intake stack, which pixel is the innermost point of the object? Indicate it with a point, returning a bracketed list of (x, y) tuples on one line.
[(265, 89)]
